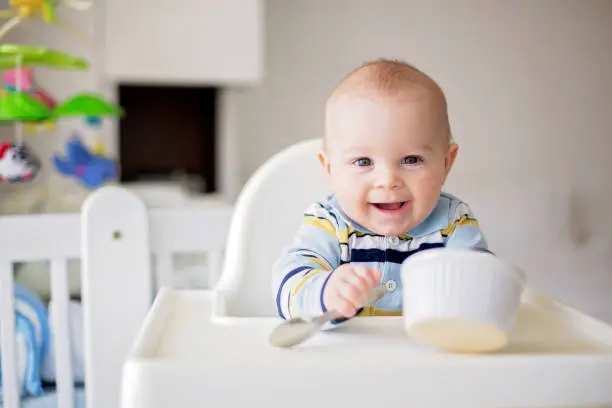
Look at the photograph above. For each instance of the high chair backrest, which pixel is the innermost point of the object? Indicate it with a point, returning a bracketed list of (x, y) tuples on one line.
[(267, 214)]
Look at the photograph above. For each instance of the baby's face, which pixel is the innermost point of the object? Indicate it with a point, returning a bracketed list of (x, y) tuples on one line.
[(387, 161)]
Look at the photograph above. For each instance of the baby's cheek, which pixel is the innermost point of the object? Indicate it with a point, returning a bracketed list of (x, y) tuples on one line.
[(427, 190), (429, 180), (359, 209), (339, 181)]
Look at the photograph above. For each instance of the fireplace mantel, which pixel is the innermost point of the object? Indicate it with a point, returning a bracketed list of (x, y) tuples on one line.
[(205, 42), (216, 43)]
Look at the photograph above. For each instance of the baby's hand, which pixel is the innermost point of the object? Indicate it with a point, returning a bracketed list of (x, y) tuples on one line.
[(348, 287)]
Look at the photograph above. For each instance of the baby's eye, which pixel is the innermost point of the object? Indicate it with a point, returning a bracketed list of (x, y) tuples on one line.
[(363, 162), (412, 160)]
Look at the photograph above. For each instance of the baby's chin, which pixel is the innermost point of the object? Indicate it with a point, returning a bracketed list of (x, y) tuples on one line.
[(380, 227), (386, 230)]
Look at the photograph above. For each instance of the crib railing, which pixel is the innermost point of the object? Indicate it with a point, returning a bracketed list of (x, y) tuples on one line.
[(32, 238), (114, 236), (7, 335)]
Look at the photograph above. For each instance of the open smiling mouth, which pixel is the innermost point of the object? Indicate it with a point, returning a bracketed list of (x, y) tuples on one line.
[(390, 206)]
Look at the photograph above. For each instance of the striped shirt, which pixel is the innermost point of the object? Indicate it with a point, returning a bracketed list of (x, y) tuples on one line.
[(328, 238)]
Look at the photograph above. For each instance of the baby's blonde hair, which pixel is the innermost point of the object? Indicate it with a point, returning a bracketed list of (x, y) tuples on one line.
[(389, 78)]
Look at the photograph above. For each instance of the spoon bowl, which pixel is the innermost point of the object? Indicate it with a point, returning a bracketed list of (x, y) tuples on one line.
[(296, 330)]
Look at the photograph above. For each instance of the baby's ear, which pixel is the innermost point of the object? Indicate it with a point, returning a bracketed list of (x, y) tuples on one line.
[(449, 160), (324, 161)]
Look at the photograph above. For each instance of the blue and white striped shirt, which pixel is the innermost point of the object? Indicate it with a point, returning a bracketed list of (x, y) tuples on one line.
[(328, 238)]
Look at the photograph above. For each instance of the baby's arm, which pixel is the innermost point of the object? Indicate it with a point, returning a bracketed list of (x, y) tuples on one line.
[(303, 268), (464, 230)]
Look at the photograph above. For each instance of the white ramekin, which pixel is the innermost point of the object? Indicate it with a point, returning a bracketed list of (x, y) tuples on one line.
[(460, 300)]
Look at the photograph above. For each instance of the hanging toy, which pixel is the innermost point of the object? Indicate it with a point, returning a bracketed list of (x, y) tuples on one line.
[(17, 163), (25, 77), (21, 107), (88, 105), (11, 80), (98, 148), (22, 99), (14, 56), (45, 9), (89, 169)]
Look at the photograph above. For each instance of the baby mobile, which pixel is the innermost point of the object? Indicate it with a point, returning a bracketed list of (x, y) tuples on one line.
[(26, 105)]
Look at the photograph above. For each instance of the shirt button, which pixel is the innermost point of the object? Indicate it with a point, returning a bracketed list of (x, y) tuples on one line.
[(390, 285), (393, 240)]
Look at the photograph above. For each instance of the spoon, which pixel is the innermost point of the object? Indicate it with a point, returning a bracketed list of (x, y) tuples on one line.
[(295, 331)]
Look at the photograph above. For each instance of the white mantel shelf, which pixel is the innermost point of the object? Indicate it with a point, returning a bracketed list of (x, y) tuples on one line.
[(207, 42)]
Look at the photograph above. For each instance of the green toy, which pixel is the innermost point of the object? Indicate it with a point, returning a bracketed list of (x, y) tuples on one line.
[(20, 106), (12, 56), (89, 105)]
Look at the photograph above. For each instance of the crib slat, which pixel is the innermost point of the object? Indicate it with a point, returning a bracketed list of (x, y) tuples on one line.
[(61, 333), (164, 268), (10, 384)]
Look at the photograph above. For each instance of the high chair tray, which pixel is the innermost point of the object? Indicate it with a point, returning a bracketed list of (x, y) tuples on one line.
[(557, 357)]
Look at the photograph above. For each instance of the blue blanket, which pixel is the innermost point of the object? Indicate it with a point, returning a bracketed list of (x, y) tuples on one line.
[(32, 340)]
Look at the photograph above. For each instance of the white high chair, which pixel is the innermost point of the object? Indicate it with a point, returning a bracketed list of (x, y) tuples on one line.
[(267, 214), (198, 348)]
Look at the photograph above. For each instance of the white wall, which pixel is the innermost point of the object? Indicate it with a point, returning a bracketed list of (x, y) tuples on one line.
[(530, 96)]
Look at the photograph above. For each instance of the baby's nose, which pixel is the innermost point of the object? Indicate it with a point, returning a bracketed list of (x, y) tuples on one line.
[(390, 179)]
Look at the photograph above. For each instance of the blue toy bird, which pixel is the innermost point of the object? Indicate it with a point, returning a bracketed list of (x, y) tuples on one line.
[(89, 169)]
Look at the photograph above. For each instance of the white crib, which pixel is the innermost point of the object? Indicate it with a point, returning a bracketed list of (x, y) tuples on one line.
[(126, 255)]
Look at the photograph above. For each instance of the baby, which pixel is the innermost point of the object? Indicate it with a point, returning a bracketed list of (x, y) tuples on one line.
[(387, 153)]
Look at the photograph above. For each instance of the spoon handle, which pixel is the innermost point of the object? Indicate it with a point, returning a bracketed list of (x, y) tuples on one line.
[(326, 317), (373, 296)]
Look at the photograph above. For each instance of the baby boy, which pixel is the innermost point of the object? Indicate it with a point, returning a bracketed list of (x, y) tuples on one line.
[(387, 153)]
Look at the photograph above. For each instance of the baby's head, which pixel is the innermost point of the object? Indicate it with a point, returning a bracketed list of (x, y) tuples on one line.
[(388, 147)]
